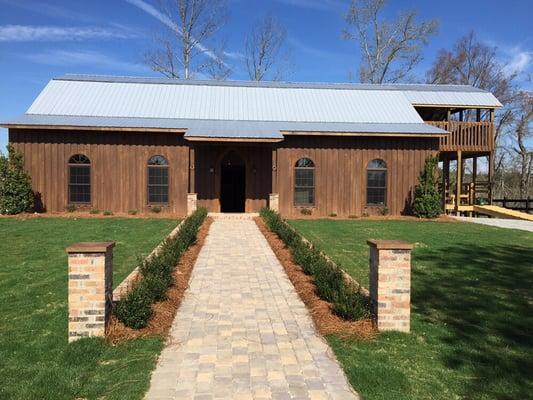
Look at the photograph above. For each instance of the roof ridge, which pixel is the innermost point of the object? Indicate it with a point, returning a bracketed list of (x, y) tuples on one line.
[(271, 84)]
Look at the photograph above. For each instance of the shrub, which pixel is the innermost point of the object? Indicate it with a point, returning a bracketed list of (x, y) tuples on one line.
[(383, 211), (427, 201), (94, 211), (329, 280), (71, 208), (332, 215), (135, 309), (16, 194), (132, 212), (107, 213), (306, 211), (155, 209), (157, 273)]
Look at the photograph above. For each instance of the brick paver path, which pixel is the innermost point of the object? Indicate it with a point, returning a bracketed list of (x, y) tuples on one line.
[(242, 332)]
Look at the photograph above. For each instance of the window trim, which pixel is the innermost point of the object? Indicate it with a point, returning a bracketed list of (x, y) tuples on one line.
[(148, 185), (295, 168), (90, 184), (385, 187)]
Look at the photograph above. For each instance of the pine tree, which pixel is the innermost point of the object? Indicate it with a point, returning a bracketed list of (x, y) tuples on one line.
[(16, 194), (427, 202)]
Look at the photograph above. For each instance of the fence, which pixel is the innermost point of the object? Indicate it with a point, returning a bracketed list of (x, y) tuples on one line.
[(525, 205)]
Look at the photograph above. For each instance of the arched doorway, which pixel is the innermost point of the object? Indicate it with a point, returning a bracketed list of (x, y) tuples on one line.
[(232, 183)]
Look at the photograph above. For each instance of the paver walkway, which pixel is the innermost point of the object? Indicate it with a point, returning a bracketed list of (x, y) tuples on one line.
[(501, 223), (242, 332)]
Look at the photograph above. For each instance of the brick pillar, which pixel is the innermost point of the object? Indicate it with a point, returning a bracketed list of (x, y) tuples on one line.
[(192, 200), (273, 202), (390, 284), (90, 288)]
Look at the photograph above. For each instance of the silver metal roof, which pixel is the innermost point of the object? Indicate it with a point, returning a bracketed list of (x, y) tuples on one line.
[(196, 128), (235, 108)]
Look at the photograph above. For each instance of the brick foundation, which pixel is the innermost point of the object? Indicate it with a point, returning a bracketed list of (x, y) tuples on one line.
[(273, 202), (390, 284), (192, 201), (90, 288)]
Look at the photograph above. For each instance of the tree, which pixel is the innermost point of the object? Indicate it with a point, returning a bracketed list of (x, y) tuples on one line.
[(427, 201), (390, 49), (521, 133), (264, 50), (191, 26), (16, 194)]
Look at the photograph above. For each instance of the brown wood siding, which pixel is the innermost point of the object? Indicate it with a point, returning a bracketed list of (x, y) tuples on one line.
[(118, 166), (258, 164), (340, 171)]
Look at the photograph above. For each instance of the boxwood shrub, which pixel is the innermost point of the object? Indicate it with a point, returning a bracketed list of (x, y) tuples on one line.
[(135, 309), (348, 302)]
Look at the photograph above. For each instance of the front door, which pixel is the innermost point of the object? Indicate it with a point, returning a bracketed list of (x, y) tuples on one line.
[(232, 188)]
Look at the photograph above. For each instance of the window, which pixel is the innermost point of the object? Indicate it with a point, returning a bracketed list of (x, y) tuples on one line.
[(79, 181), (304, 182), (158, 180), (376, 183)]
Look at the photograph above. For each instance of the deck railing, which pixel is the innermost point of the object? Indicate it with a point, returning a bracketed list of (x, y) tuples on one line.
[(465, 136)]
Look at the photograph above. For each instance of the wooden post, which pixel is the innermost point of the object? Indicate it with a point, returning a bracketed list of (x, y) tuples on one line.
[(474, 179), (445, 181), (478, 115), (458, 181), (192, 184), (273, 199), (491, 175)]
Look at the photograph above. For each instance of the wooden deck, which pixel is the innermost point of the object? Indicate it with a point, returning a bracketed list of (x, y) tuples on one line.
[(500, 212), (466, 136)]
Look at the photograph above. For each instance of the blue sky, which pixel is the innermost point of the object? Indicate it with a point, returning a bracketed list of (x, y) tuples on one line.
[(40, 39)]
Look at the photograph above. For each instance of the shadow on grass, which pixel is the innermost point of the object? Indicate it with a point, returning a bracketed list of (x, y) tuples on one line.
[(484, 296)]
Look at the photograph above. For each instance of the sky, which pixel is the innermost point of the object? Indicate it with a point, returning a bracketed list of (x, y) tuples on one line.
[(42, 39)]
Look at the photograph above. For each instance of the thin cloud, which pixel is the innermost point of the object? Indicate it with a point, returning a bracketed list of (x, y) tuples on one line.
[(309, 50), (66, 58), (49, 10), (155, 13), (519, 61), (32, 33), (321, 5)]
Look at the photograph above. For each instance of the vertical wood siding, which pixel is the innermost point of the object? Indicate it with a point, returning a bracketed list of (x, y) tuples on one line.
[(340, 171), (118, 166)]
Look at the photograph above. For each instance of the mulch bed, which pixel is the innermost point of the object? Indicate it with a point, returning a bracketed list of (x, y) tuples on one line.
[(326, 321), (164, 311)]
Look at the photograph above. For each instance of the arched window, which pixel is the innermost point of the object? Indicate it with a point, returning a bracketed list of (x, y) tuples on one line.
[(304, 182), (376, 183), (79, 179), (157, 180)]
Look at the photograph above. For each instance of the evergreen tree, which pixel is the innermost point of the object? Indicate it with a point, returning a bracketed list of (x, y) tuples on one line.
[(16, 194), (427, 201)]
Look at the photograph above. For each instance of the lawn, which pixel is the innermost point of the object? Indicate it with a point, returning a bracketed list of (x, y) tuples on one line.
[(35, 360), (472, 311)]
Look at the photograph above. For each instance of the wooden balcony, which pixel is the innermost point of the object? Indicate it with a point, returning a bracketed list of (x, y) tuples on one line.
[(466, 136)]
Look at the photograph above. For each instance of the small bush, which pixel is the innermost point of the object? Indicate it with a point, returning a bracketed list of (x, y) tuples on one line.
[(135, 309), (328, 277), (306, 211), (16, 194), (155, 209), (71, 208), (132, 212), (107, 213), (427, 203), (94, 211), (157, 273), (383, 211), (333, 215)]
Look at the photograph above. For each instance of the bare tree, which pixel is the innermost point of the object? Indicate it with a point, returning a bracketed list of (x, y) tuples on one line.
[(183, 49), (390, 49), (520, 134), (264, 55), (471, 62)]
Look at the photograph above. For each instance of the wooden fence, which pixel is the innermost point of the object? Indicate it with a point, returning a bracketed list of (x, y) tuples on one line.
[(525, 205)]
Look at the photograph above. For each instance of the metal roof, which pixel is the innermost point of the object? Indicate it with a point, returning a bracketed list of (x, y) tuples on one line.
[(234, 108), (196, 128)]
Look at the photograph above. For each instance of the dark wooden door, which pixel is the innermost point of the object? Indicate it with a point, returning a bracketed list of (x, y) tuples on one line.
[(232, 188)]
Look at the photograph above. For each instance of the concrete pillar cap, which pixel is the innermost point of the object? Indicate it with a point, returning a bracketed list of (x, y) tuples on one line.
[(90, 247), (390, 244)]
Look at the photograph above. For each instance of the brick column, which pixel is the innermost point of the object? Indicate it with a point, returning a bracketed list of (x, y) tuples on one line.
[(273, 202), (192, 200), (90, 288), (390, 283)]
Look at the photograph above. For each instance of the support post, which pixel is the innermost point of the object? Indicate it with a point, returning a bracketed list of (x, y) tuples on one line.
[(445, 181), (192, 197), (474, 179), (90, 288), (491, 175), (390, 284), (273, 200), (458, 181)]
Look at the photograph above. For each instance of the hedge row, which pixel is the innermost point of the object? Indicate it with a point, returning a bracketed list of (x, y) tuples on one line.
[(347, 301), (135, 309)]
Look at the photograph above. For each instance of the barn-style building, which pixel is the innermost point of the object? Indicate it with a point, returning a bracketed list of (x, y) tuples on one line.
[(120, 144)]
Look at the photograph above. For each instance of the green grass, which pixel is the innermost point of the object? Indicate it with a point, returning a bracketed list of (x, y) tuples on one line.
[(472, 311), (35, 360)]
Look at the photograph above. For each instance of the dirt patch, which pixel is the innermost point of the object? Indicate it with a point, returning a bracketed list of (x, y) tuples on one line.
[(164, 311), (326, 321)]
